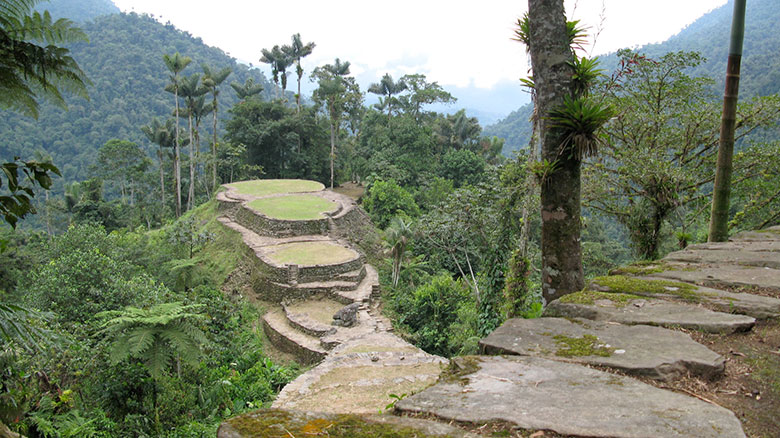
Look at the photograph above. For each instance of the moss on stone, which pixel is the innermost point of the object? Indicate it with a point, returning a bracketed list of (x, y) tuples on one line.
[(589, 297), (645, 267), (637, 286), (587, 345), (459, 368), (275, 423)]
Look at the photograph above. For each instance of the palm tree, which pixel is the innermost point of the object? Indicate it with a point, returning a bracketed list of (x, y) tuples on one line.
[(279, 62), (397, 235), (333, 87), (199, 110), (247, 90), (157, 336), (163, 135), (191, 90), (297, 51), (212, 80), (719, 216), (388, 88), (175, 64)]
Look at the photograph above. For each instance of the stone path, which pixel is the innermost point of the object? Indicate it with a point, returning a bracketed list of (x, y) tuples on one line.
[(622, 325), (617, 325), (357, 367)]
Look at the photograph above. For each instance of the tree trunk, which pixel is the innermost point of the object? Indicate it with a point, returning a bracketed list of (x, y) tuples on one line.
[(719, 217), (191, 191), (162, 178), (560, 191), (332, 147), (214, 150), (176, 157)]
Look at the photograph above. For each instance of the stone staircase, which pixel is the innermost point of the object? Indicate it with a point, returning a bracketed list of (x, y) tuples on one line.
[(357, 367), (572, 371)]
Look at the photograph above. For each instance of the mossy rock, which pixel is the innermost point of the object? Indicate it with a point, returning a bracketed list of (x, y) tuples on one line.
[(278, 423), (638, 286), (589, 297), (586, 345)]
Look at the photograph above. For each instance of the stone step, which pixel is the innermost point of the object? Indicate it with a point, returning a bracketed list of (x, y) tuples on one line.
[(733, 277), (771, 233), (363, 293), (288, 423), (355, 276), (307, 349), (569, 399), (757, 254), (302, 320), (640, 350), (757, 306), (648, 311), (359, 375)]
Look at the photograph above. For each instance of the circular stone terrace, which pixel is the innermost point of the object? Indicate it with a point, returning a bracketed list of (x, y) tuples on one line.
[(309, 253)]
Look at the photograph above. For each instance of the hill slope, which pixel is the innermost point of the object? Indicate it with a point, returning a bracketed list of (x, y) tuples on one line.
[(124, 62), (78, 10), (708, 35)]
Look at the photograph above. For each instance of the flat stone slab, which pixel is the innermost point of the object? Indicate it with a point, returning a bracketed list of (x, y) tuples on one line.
[(359, 375), (729, 275), (654, 312), (757, 306), (569, 399), (771, 233), (269, 423), (641, 350), (762, 256)]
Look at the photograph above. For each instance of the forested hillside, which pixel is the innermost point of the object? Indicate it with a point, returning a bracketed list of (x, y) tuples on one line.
[(124, 61), (709, 35)]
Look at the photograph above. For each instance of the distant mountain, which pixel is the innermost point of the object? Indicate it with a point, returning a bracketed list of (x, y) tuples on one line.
[(708, 35), (78, 10), (124, 62)]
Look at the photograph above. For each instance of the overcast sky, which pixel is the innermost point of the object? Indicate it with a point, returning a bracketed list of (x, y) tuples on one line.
[(456, 43)]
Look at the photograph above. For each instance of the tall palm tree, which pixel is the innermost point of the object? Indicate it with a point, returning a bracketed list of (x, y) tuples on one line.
[(387, 87), (331, 92), (297, 51), (212, 80), (719, 216), (191, 90), (199, 110), (175, 64), (247, 89)]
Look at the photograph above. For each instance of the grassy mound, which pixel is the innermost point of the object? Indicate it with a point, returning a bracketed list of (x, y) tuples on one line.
[(294, 207), (310, 253), (265, 187)]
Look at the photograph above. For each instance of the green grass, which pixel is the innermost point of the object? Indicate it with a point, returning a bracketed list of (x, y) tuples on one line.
[(589, 297), (587, 345), (294, 207), (310, 253), (265, 187)]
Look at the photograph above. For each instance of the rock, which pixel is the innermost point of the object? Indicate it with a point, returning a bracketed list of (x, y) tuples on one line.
[(728, 253), (727, 275), (642, 350), (653, 312), (759, 307), (278, 422), (569, 399), (347, 316)]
